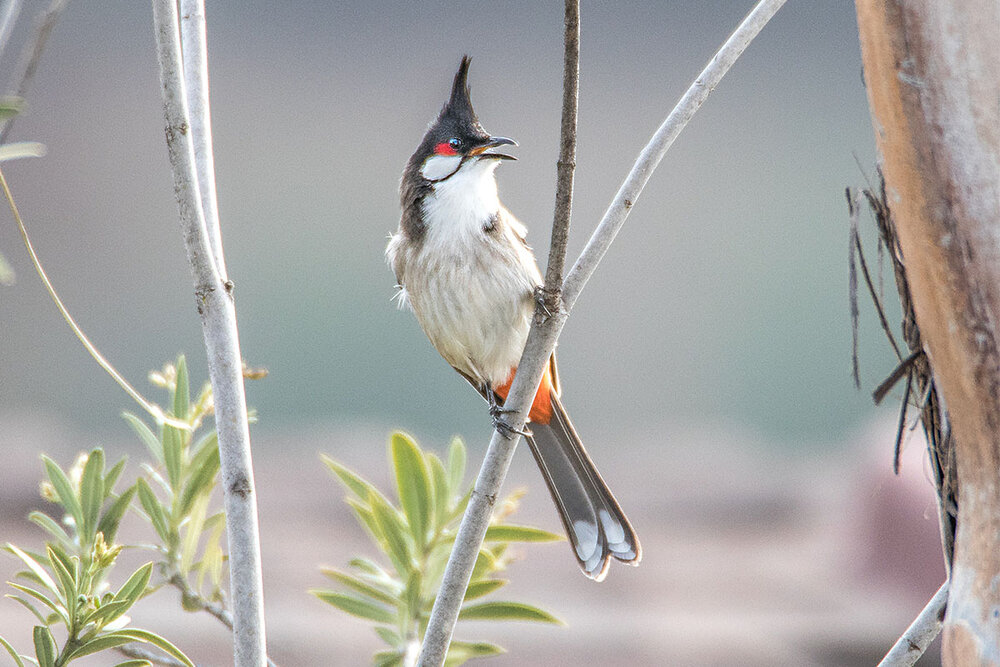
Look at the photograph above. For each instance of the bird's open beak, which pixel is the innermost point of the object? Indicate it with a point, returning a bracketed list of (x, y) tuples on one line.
[(493, 143)]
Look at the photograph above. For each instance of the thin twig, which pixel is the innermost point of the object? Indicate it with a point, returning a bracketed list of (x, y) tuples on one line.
[(218, 318), (657, 147), (152, 408), (545, 332), (194, 599), (31, 55), (925, 627), (194, 31), (8, 17), (566, 166), (852, 283)]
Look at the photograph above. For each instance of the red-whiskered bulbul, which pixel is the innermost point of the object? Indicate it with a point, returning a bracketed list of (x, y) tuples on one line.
[(463, 266)]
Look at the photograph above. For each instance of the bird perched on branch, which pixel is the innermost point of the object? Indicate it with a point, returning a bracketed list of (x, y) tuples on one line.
[(463, 266)]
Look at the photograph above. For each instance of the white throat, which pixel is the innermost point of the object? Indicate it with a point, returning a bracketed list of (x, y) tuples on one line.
[(461, 204)]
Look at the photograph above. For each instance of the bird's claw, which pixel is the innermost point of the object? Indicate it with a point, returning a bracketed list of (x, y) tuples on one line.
[(508, 431), (540, 295)]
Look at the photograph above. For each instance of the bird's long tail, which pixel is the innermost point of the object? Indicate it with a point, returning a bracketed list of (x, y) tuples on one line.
[(597, 528)]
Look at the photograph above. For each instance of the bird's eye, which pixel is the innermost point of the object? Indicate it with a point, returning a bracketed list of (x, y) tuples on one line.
[(455, 143)]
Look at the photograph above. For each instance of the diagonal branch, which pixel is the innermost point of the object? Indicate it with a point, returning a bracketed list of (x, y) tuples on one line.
[(218, 319), (546, 329), (925, 627)]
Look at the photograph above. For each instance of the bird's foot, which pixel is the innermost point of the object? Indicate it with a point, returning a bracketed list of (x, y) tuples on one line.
[(541, 298), (506, 430)]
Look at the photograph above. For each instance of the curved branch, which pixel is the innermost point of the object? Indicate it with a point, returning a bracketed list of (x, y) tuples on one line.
[(545, 332)]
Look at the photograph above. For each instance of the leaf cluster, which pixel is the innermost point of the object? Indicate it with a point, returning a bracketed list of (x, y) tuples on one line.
[(176, 497), (67, 584), (416, 536)]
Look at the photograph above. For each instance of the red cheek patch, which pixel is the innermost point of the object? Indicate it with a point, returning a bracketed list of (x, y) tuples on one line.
[(444, 148)]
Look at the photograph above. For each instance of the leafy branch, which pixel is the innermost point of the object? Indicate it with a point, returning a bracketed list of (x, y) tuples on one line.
[(416, 537)]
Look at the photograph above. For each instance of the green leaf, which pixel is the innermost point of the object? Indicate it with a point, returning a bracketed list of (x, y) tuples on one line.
[(390, 637), (48, 524), (10, 106), (354, 483), (67, 578), (27, 605), (201, 477), (135, 634), (112, 476), (485, 563), (146, 435), (210, 439), (182, 392), (411, 595), (151, 506), (45, 646), (13, 653), (512, 533), (21, 149), (35, 567), (459, 652), (109, 523), (7, 275), (107, 612), (413, 485), (456, 464), (173, 446), (367, 519), (192, 533), (360, 586), (136, 585), (478, 589), (392, 528), (387, 659), (92, 493), (356, 606), (138, 662), (64, 489), (506, 611), (41, 597), (442, 493)]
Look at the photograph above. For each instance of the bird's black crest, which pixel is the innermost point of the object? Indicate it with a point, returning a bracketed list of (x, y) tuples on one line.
[(458, 112)]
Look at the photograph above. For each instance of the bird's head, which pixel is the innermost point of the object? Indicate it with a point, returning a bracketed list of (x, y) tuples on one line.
[(456, 139)]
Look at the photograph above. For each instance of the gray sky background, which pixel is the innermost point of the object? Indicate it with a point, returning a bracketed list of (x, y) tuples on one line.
[(723, 302)]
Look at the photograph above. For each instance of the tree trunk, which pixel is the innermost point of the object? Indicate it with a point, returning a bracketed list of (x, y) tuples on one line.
[(932, 70)]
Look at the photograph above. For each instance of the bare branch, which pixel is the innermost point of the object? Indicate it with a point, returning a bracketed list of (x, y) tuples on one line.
[(657, 147), (8, 17), (31, 55), (193, 32), (925, 627), (566, 166), (545, 332), (218, 317)]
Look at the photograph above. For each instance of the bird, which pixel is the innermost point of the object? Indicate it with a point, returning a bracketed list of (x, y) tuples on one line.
[(463, 266)]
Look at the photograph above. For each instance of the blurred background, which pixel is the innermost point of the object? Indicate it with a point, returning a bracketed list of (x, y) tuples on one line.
[(707, 365)]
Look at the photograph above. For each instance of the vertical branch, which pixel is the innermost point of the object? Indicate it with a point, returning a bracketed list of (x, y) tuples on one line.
[(195, 41), (933, 81), (468, 542), (566, 166), (218, 317), (545, 332)]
